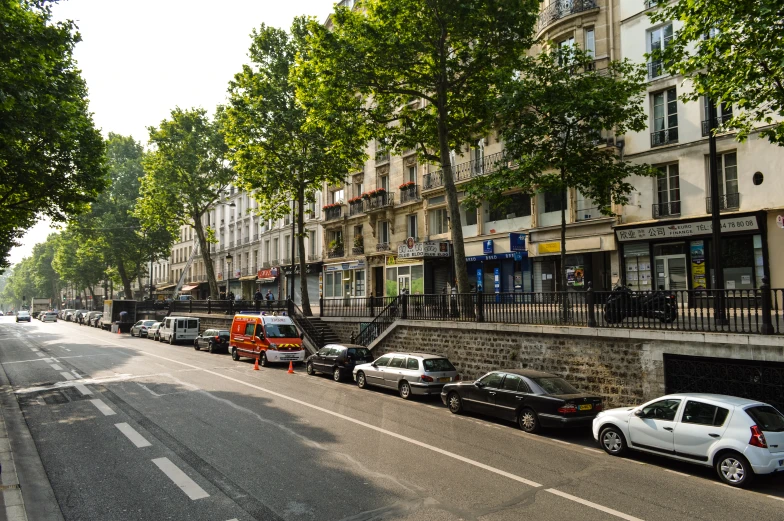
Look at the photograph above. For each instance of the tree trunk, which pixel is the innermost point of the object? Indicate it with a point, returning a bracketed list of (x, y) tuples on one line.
[(562, 285), (303, 278), (126, 280), (92, 294), (205, 256)]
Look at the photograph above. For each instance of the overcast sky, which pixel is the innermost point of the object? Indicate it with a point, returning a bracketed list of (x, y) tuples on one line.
[(142, 58)]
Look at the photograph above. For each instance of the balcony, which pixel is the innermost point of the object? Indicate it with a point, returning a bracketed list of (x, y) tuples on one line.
[(335, 253), (380, 201), (670, 209), (255, 237), (586, 214), (410, 194), (314, 257), (333, 212), (382, 156), (720, 120), (656, 69), (560, 9), (285, 262), (246, 240), (467, 170), (726, 202), (357, 250), (383, 246), (356, 208), (663, 137)]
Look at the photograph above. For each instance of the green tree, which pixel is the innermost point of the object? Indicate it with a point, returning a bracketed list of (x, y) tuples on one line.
[(732, 52), (282, 148), (556, 111), (46, 278), (51, 154), (80, 262), (432, 69), (185, 175)]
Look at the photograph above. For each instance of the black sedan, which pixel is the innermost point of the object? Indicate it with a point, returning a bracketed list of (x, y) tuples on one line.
[(533, 399), (338, 360), (213, 340)]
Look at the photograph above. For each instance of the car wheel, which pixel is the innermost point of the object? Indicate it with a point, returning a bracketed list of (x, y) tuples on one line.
[(361, 381), (131, 333), (263, 360), (309, 369), (171, 339), (733, 469), (337, 374), (612, 441), (454, 403), (528, 421), (211, 347), (234, 354), (196, 345), (405, 390)]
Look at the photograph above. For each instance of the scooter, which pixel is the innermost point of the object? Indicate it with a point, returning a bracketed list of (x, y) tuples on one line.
[(625, 303)]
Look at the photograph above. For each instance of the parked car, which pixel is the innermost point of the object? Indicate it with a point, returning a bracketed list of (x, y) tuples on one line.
[(737, 437), (48, 316), (175, 329), (140, 328), (338, 360), (1, 313), (533, 399), (407, 373), (152, 331), (213, 340), (23, 316), (265, 338), (95, 320), (64, 313)]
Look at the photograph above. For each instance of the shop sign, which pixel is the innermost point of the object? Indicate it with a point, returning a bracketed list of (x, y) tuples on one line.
[(497, 256), (517, 242), (267, 273), (780, 221), (345, 266), (698, 265), (497, 280), (220, 276), (733, 224), (411, 249), (549, 247), (487, 247), (479, 280)]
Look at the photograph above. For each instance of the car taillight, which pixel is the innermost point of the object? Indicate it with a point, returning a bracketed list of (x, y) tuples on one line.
[(426, 378), (457, 378), (598, 407), (217, 338), (757, 438), (567, 408)]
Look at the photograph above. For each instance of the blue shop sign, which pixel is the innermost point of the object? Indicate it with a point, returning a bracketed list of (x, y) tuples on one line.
[(498, 256), (497, 280), (517, 242), (487, 247)]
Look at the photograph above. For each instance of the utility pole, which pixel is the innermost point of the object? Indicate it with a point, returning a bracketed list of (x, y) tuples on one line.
[(718, 294)]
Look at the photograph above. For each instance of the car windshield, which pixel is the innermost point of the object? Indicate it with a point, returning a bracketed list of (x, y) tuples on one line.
[(281, 331), (358, 352), (148, 323), (223, 333), (768, 418), (438, 364), (554, 385)]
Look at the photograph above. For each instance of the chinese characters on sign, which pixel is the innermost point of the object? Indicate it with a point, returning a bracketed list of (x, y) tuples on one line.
[(423, 249), (735, 224)]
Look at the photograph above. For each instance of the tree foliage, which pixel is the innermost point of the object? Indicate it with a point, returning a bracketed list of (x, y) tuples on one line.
[(283, 145), (556, 110), (431, 71), (733, 52), (184, 176), (51, 154), (34, 276)]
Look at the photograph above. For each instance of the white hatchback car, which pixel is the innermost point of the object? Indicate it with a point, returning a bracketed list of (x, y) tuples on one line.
[(736, 436)]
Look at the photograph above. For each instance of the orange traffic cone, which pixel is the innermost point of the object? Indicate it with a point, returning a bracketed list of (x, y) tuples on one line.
[(118, 330), (291, 367), (256, 365)]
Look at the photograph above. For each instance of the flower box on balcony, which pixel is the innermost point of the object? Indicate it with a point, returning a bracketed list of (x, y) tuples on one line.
[(331, 206), (407, 186), (355, 200)]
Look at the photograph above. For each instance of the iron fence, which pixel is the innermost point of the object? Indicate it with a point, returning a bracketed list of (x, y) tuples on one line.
[(354, 306)]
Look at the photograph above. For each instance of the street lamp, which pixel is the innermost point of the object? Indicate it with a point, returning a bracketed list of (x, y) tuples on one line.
[(229, 258)]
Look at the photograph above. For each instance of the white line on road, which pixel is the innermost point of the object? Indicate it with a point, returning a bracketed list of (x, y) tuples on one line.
[(67, 376), (560, 441), (105, 409), (41, 354), (593, 450), (131, 433), (676, 472), (180, 478), (774, 497), (76, 374), (592, 505), (33, 349), (83, 389), (56, 367)]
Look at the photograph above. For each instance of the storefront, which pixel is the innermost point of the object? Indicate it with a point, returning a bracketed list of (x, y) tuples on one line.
[(587, 259), (503, 267), (418, 268), (312, 272), (267, 280), (677, 255), (345, 279)]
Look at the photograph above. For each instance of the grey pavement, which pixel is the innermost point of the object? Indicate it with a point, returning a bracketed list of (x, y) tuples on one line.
[(131, 429)]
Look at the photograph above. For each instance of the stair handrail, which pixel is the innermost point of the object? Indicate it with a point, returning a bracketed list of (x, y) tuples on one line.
[(384, 316), (299, 317)]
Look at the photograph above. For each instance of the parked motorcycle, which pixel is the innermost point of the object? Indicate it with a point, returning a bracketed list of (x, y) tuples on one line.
[(625, 303)]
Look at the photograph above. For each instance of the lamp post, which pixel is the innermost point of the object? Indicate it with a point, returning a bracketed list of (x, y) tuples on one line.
[(718, 299), (229, 258)]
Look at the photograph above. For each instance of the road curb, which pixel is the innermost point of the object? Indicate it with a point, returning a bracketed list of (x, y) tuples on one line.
[(27, 493)]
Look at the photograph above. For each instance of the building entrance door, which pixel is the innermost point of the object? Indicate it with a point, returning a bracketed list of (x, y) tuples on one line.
[(403, 284), (671, 272)]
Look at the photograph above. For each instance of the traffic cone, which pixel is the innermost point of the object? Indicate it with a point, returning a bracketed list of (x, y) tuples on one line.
[(256, 365), (291, 367)]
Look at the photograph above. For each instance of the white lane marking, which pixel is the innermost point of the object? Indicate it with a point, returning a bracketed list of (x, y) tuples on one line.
[(33, 349), (76, 374), (676, 472), (83, 389), (133, 435), (105, 409), (56, 367), (593, 450), (560, 441), (180, 478), (41, 354), (67, 376), (592, 505), (775, 497), (53, 359)]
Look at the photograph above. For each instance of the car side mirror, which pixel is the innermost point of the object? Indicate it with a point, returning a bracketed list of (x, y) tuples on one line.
[(639, 413), (479, 384), (374, 364)]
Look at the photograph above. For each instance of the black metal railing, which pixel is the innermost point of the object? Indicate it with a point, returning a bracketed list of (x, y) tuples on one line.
[(225, 307), (335, 253), (245, 240), (314, 257), (385, 318), (726, 202), (383, 246), (255, 237), (354, 306), (409, 194), (334, 212), (467, 170), (356, 208), (720, 120), (670, 209), (382, 156), (357, 250), (309, 331), (559, 9), (664, 137), (656, 69), (380, 201)]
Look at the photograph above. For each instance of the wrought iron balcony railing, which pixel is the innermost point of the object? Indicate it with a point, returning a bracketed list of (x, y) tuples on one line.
[(334, 253), (335, 212), (467, 170), (380, 201), (356, 208), (357, 250), (669, 209), (720, 120), (409, 194), (382, 246), (666, 136), (559, 9), (726, 202)]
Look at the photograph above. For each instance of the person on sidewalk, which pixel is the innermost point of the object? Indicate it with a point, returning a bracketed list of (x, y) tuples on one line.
[(258, 297), (269, 297)]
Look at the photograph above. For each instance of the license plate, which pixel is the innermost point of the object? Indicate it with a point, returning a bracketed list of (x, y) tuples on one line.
[(586, 407), (444, 379)]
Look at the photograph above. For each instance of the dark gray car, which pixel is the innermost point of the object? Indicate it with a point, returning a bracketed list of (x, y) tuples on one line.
[(338, 360)]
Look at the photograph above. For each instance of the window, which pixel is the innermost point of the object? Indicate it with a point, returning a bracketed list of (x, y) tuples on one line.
[(249, 328), (275, 249), (590, 41), (468, 216), (515, 205), (412, 174), (704, 414), (511, 382), (555, 385), (333, 285), (728, 177), (438, 221), (492, 380), (312, 242), (438, 365), (266, 251), (337, 196), (411, 226), (358, 185), (668, 190), (412, 364), (382, 232), (662, 410), (552, 202), (658, 40), (723, 111), (398, 362), (665, 117), (768, 418), (383, 361), (359, 283), (383, 182)]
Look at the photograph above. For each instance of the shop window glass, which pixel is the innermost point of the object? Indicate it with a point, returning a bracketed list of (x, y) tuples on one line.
[(359, 283), (552, 202), (391, 282), (417, 280), (637, 261), (515, 205)]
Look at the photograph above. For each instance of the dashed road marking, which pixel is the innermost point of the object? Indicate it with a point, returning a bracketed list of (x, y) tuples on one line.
[(42, 355), (587, 503), (180, 478), (105, 409), (560, 441), (33, 349), (593, 450), (83, 389), (68, 376), (133, 435), (56, 367), (676, 472)]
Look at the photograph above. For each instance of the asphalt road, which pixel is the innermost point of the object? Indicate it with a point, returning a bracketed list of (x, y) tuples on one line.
[(131, 429)]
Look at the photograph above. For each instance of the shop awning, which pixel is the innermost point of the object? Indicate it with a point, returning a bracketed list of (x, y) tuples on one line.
[(189, 288), (249, 277), (166, 286), (266, 280)]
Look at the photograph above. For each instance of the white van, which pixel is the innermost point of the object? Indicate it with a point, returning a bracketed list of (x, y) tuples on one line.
[(176, 329)]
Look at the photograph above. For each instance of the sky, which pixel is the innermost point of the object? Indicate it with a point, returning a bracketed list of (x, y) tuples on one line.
[(141, 59)]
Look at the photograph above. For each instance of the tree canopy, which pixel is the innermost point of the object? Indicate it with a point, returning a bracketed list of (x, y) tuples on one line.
[(733, 52), (51, 154)]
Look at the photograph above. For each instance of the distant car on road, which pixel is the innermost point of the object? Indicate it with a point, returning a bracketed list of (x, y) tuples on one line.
[(213, 340), (1, 314), (23, 316), (152, 331), (48, 316), (533, 399), (407, 373), (141, 327), (95, 320), (737, 437), (338, 360)]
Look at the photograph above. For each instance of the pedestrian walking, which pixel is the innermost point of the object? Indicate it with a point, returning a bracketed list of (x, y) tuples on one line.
[(269, 297), (258, 297)]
